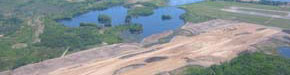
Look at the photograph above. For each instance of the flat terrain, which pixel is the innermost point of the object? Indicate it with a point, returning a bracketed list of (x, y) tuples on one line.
[(212, 42), (208, 10), (31, 34), (260, 12), (211, 47)]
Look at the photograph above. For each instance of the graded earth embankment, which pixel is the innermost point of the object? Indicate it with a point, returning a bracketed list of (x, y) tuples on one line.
[(218, 41), (211, 42)]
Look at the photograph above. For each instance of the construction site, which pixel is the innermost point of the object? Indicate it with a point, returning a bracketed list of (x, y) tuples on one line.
[(204, 44)]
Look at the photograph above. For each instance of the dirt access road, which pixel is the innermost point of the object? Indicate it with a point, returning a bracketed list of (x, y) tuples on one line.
[(220, 41), (238, 10)]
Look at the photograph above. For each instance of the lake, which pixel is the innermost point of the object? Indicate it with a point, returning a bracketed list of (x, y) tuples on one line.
[(284, 51), (118, 15), (152, 24)]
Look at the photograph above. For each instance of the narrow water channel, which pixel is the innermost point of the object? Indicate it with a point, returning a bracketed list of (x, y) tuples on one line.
[(284, 51)]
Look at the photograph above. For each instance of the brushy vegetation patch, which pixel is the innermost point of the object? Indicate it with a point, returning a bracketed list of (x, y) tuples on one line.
[(9, 25), (144, 8), (165, 17), (209, 10), (105, 19), (159, 2), (247, 64), (141, 11)]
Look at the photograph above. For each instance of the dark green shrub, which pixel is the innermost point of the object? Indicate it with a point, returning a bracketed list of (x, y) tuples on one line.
[(105, 19), (166, 17)]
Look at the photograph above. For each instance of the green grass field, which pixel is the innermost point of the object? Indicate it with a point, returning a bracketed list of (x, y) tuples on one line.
[(265, 12), (209, 10)]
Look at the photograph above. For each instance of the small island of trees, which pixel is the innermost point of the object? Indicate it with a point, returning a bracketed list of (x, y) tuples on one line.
[(166, 17), (105, 19)]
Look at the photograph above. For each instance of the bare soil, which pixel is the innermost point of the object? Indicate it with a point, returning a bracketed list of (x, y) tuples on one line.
[(218, 42), (75, 59), (155, 37), (215, 42)]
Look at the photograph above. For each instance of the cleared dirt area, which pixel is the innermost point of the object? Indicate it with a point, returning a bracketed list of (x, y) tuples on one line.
[(74, 60), (155, 37), (38, 28), (213, 42), (259, 12), (219, 43)]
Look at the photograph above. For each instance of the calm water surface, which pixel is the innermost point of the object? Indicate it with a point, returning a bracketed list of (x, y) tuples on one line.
[(182, 2), (284, 51), (152, 24), (118, 15)]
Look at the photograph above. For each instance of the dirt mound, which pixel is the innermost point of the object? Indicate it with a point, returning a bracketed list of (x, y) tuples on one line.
[(155, 59), (155, 38), (199, 28)]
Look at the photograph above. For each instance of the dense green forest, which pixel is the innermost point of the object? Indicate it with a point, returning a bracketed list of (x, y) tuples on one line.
[(246, 64)]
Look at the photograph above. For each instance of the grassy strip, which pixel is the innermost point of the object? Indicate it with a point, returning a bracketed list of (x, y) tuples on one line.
[(209, 10), (265, 12)]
